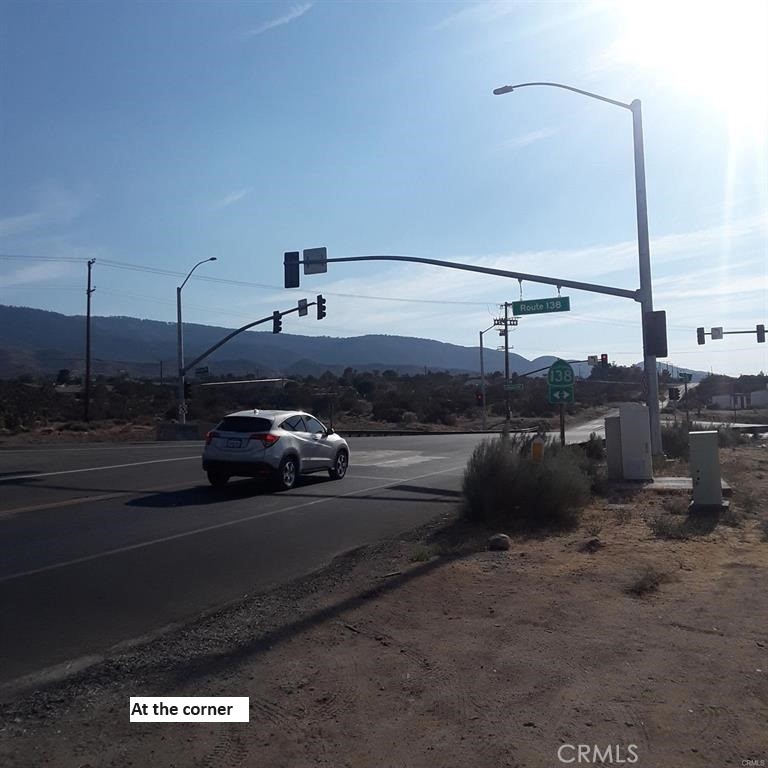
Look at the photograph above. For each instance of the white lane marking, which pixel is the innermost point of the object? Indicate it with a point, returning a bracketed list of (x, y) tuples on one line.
[(100, 447), (85, 499), (94, 469), (227, 524), (390, 458)]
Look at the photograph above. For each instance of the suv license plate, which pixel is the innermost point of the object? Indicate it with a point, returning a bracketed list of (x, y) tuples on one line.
[(233, 442)]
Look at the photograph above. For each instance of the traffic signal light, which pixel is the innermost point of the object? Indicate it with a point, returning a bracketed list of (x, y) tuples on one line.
[(604, 360), (700, 335), (479, 398), (320, 306), (655, 333), (187, 390), (761, 334), (277, 322), (291, 266), (674, 393)]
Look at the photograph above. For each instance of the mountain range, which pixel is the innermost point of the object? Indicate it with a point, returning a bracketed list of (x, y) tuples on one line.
[(37, 341)]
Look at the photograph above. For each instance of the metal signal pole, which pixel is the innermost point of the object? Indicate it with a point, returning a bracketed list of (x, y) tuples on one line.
[(87, 395)]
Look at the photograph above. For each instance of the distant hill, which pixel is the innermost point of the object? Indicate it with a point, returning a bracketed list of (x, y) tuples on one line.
[(37, 341)]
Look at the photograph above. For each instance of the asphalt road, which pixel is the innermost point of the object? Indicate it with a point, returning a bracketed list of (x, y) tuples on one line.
[(103, 544)]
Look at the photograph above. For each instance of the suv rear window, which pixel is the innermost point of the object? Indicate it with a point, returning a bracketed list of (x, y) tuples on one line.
[(244, 424)]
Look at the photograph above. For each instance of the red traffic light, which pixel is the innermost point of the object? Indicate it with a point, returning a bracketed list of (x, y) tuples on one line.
[(604, 360)]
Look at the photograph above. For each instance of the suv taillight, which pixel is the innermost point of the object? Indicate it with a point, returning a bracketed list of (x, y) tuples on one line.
[(209, 436), (266, 437)]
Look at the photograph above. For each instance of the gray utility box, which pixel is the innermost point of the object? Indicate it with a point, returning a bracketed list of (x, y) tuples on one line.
[(705, 469), (628, 444)]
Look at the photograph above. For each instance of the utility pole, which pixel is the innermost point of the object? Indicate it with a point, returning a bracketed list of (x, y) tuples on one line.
[(482, 375), (506, 322), (506, 360), (88, 292)]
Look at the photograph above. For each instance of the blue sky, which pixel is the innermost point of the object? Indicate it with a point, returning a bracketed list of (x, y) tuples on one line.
[(149, 136)]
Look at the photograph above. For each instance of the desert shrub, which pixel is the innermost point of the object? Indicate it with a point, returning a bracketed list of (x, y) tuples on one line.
[(675, 505), (647, 581), (664, 527), (749, 502), (674, 439), (595, 447), (695, 524), (728, 437), (503, 486)]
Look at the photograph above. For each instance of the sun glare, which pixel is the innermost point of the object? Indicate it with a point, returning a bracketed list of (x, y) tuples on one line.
[(714, 51)]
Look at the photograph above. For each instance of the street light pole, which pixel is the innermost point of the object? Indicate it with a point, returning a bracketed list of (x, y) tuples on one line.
[(180, 344), (482, 372), (643, 243)]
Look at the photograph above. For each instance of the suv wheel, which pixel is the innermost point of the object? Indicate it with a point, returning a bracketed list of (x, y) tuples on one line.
[(217, 479), (288, 473), (340, 464)]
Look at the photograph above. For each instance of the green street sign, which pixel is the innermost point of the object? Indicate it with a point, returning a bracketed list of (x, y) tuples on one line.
[(541, 306), (560, 374), (513, 386), (686, 377), (559, 395), (560, 379)]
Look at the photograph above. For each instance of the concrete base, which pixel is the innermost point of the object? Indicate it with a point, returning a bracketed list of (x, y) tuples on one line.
[(708, 509), (668, 485)]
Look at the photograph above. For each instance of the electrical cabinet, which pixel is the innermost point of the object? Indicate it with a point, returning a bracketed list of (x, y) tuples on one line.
[(705, 469), (636, 455)]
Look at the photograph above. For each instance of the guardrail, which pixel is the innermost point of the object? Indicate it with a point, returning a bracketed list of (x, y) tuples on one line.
[(403, 432), (169, 431)]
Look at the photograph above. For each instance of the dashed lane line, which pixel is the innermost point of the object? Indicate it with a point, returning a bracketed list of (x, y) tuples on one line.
[(93, 469)]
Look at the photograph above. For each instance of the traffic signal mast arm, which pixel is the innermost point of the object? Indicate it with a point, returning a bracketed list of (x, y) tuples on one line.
[(546, 368), (606, 289), (229, 336), (717, 333)]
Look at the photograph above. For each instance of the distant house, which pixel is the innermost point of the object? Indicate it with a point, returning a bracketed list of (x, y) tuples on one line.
[(738, 401)]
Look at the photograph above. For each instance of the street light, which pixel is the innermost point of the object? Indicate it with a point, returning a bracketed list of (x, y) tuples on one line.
[(180, 343), (482, 371), (644, 251)]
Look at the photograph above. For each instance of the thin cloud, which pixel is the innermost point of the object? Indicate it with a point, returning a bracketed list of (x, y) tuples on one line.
[(527, 138), (294, 12), (479, 13), (37, 273), (54, 206), (235, 197)]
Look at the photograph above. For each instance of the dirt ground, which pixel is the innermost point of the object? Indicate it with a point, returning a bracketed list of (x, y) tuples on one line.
[(432, 651)]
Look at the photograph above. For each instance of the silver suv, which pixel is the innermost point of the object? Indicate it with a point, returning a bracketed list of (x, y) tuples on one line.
[(277, 444)]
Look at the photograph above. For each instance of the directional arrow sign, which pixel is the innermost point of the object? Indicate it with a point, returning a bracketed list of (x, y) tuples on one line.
[(560, 379), (556, 395)]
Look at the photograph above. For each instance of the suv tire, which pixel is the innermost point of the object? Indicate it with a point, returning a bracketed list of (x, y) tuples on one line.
[(217, 478), (340, 465), (288, 473)]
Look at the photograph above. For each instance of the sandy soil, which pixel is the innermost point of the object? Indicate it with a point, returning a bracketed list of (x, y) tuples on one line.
[(431, 651)]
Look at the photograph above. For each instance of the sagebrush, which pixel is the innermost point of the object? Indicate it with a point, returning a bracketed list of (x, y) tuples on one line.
[(504, 486)]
